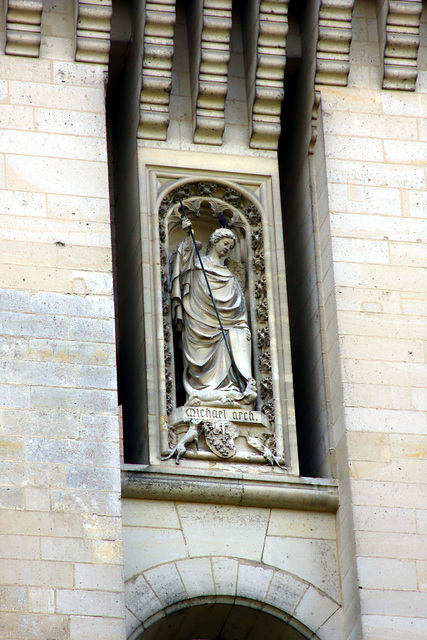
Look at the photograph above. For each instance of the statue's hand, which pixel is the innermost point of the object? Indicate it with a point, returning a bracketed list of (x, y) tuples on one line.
[(186, 224)]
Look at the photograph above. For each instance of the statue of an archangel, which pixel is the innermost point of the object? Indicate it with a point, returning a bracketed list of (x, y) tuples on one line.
[(217, 359)]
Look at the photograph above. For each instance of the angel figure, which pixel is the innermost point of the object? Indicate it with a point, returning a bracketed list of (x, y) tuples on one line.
[(211, 377)]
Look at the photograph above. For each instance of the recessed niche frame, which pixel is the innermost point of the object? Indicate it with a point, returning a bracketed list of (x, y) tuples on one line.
[(247, 203)]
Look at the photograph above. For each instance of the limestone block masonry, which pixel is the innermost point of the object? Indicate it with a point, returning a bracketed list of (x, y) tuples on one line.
[(60, 539), (375, 171), (304, 122), (169, 559)]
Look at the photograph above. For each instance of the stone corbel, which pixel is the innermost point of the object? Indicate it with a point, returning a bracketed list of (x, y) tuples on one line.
[(93, 31), (23, 32), (156, 70), (266, 88), (401, 43), (213, 56), (333, 46)]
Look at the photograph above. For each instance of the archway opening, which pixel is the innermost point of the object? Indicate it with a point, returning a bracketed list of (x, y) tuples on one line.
[(223, 621)]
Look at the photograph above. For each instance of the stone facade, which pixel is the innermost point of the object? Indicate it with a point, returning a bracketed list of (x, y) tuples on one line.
[(61, 526), (315, 112)]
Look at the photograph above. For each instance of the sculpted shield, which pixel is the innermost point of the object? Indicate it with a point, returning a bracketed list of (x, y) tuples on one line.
[(220, 436)]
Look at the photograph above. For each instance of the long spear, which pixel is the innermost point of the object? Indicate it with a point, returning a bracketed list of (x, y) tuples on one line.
[(233, 362)]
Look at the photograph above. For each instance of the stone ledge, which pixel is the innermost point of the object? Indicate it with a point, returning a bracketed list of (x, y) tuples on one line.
[(149, 483)]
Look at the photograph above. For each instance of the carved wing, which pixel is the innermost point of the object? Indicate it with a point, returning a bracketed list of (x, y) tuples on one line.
[(238, 270)]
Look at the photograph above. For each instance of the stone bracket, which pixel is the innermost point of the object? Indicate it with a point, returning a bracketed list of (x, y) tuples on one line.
[(93, 31), (266, 91), (401, 43), (23, 28), (333, 46), (211, 76), (156, 85)]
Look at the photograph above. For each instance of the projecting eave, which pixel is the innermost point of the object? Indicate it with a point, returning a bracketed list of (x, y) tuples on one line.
[(249, 490)]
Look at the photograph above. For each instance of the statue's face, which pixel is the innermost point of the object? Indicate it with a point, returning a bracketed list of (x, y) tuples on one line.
[(224, 246)]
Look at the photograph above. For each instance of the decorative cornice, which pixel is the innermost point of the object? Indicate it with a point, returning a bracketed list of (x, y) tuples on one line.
[(23, 32), (269, 491), (402, 40), (156, 70), (214, 56), (93, 31), (333, 46)]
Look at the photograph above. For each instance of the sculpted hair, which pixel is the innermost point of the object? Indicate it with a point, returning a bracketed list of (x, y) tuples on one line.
[(218, 235)]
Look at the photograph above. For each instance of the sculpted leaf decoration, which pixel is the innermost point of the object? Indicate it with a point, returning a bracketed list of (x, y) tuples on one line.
[(217, 208)]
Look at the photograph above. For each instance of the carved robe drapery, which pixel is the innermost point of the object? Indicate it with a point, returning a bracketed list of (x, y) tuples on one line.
[(208, 372)]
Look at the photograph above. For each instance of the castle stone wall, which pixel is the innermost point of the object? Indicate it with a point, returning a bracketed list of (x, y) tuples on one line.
[(375, 146), (60, 536)]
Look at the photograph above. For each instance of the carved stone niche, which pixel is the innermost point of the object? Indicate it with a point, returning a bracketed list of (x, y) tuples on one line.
[(253, 430)]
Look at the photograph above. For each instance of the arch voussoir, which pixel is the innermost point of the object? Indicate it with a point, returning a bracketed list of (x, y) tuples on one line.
[(173, 586)]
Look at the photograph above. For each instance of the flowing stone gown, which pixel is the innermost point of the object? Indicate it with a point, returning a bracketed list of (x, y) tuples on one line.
[(208, 373)]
